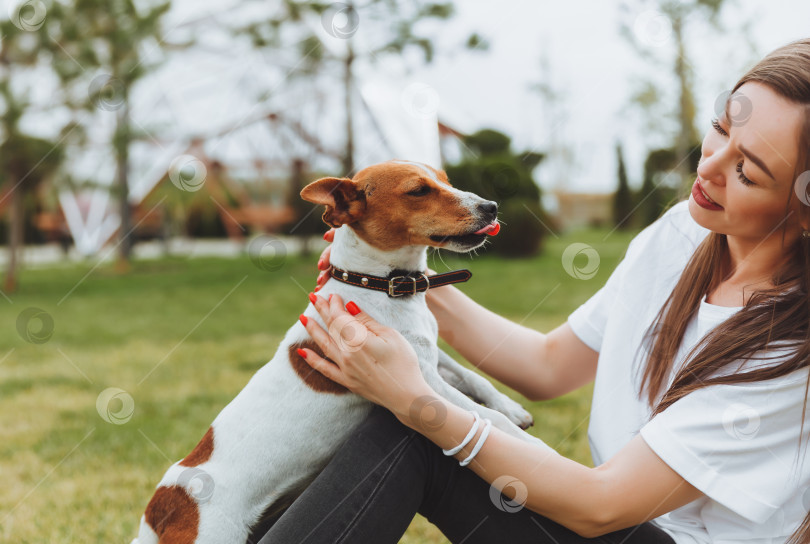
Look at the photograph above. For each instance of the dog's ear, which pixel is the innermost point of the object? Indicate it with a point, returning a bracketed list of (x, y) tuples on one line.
[(344, 201)]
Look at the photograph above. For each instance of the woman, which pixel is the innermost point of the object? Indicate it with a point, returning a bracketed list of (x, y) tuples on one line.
[(699, 347)]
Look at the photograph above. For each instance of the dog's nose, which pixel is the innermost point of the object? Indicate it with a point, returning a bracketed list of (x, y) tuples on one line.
[(488, 207)]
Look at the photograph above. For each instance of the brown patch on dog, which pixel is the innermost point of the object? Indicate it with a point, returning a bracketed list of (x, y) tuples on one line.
[(202, 451), (311, 377), (173, 515)]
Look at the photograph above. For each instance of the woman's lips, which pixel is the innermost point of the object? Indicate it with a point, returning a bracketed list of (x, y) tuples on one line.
[(702, 199)]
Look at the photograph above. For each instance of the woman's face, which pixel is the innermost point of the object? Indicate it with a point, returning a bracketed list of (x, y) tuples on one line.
[(756, 137)]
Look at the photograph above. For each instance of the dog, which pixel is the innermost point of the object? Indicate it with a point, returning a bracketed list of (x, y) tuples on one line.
[(270, 442)]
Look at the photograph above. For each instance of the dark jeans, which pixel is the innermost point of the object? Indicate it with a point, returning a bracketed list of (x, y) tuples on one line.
[(385, 473)]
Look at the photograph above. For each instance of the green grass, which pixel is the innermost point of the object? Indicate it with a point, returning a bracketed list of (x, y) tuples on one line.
[(182, 337)]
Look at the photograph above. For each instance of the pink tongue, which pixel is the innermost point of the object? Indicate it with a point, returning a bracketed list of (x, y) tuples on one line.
[(492, 229)]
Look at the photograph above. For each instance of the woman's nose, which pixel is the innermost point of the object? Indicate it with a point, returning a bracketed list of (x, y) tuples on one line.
[(710, 168)]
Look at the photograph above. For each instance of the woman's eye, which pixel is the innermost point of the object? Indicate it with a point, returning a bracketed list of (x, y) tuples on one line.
[(718, 128), (421, 191)]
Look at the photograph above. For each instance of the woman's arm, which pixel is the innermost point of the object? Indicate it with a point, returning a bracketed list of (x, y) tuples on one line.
[(534, 364), (539, 366), (633, 487)]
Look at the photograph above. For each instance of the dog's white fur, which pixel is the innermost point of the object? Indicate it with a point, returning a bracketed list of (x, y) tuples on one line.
[(277, 434)]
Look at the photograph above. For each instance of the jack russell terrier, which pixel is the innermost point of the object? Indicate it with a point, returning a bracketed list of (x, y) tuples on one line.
[(271, 441)]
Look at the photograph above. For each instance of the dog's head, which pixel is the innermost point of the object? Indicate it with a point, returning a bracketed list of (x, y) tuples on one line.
[(400, 203)]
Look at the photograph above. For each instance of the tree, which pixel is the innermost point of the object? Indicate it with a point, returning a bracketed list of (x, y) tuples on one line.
[(623, 198), (670, 18), (109, 35), (395, 23), (27, 43), (496, 173)]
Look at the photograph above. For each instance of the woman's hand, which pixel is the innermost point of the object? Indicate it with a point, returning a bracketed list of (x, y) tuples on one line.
[(369, 359)]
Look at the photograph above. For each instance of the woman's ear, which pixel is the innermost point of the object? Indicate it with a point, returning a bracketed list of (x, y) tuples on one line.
[(344, 201)]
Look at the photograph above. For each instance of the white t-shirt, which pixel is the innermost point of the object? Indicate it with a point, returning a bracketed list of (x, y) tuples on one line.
[(738, 444)]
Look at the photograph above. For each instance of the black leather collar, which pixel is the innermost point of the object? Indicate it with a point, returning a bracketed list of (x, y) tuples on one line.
[(400, 283)]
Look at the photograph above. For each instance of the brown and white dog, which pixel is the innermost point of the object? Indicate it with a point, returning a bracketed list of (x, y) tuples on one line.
[(271, 441)]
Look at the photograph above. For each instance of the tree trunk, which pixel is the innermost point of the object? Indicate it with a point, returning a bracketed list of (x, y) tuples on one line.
[(348, 159), (122, 183), (685, 105), (15, 235)]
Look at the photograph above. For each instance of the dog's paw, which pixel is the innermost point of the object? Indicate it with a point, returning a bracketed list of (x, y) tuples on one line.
[(514, 411)]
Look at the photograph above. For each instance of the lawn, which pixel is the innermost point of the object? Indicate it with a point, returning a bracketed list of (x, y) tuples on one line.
[(180, 337)]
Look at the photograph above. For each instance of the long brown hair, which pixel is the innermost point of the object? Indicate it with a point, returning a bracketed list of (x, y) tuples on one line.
[(783, 310)]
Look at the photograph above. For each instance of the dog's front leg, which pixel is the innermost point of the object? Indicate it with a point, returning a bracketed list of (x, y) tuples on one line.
[(482, 390), (460, 399)]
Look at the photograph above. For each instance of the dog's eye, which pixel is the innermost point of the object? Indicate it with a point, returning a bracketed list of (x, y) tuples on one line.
[(421, 191)]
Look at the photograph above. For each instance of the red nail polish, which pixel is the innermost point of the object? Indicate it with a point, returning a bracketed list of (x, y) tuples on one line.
[(302, 353), (325, 234), (317, 287), (303, 319), (352, 308), (312, 298), (330, 298), (320, 264)]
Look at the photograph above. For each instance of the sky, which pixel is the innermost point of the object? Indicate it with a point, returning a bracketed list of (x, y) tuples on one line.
[(594, 69)]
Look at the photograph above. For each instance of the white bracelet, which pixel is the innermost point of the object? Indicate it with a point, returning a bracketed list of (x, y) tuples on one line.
[(469, 436), (479, 444)]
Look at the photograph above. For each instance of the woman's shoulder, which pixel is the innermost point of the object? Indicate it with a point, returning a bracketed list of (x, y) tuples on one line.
[(674, 231)]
